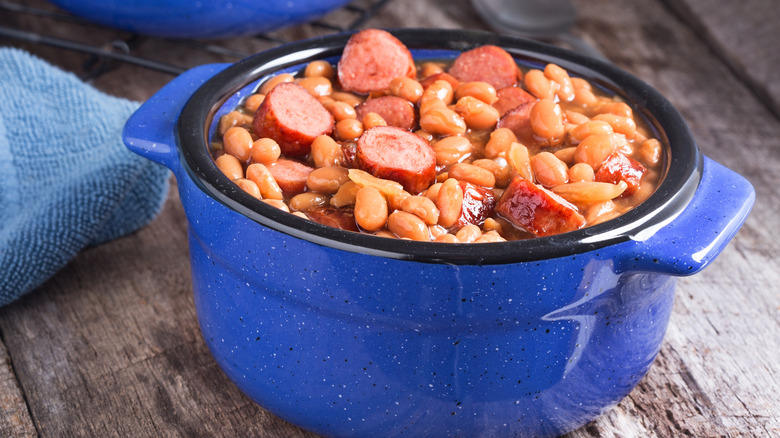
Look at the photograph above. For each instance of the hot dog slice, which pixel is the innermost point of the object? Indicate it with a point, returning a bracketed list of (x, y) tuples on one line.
[(518, 120), (293, 117), (290, 175), (490, 64), (395, 154), (510, 98), (342, 218), (371, 59), (478, 204), (537, 210), (619, 167), (396, 111)]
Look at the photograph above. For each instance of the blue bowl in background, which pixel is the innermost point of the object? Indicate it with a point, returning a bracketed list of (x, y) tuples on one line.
[(199, 19), (348, 334)]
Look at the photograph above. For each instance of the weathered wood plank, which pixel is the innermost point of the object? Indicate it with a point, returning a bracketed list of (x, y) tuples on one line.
[(14, 417)]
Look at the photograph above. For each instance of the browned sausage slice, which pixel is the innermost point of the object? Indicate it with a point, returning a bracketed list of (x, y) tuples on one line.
[(402, 156), (290, 175), (510, 98), (620, 167), (293, 117), (342, 218), (490, 64), (518, 120), (371, 59), (537, 210), (478, 204), (396, 111)]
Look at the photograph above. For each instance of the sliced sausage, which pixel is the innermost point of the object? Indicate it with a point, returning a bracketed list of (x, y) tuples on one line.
[(619, 167), (510, 98), (371, 59), (490, 64), (290, 175), (395, 154), (537, 210), (478, 205), (342, 218), (518, 120), (396, 111), (443, 76), (293, 118)]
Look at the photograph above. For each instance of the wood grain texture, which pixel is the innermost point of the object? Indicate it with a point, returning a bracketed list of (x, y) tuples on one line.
[(110, 345)]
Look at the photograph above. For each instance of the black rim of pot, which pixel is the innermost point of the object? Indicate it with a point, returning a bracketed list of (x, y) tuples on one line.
[(679, 181)]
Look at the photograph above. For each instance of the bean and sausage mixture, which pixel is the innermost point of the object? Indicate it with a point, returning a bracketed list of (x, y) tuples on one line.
[(476, 151)]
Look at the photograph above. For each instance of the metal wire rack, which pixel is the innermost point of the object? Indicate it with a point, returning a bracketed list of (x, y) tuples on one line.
[(109, 55)]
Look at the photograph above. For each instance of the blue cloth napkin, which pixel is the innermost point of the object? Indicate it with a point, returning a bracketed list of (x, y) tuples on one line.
[(66, 180)]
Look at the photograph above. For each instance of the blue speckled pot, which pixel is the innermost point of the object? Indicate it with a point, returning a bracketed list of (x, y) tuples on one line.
[(354, 335), (199, 19)]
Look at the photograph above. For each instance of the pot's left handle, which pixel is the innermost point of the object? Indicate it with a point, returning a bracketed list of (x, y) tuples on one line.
[(149, 132)]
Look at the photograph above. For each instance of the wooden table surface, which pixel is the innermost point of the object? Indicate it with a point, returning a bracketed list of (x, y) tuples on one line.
[(110, 345)]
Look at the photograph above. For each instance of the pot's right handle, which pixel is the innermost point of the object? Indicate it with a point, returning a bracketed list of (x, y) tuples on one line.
[(149, 132), (699, 233)]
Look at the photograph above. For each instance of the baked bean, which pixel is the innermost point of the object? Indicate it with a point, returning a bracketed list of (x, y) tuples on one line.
[(430, 68), (584, 97), (549, 170), (587, 192), (617, 108), (349, 129), (230, 166), (237, 142), (385, 234), (502, 174), (326, 152), (306, 200), (477, 114), (317, 85), (468, 233), (566, 155), (581, 172), (300, 214), (278, 203), (346, 195), (422, 207), (408, 226), (260, 175), (446, 238), (449, 201), (395, 200), (500, 141), (327, 180), (575, 118), (589, 128), (565, 91), (620, 124), (491, 224), (231, 119), (473, 174), (478, 90), (352, 99), (274, 81), (439, 90), (342, 111), (319, 68), (406, 88), (249, 187), (537, 84), (387, 187), (436, 231), (451, 150), (600, 211), (596, 148), (547, 120), (265, 150), (425, 135), (650, 152), (433, 191), (442, 121), (253, 102), (490, 236), (372, 120), (370, 209), (520, 161)]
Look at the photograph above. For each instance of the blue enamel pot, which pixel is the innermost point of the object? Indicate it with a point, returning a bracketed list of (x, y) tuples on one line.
[(354, 335), (198, 19)]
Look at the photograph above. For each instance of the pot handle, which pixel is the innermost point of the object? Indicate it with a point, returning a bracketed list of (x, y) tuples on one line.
[(149, 132), (702, 230)]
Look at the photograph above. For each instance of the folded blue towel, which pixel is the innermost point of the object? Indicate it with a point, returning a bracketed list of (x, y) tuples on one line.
[(66, 180)]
